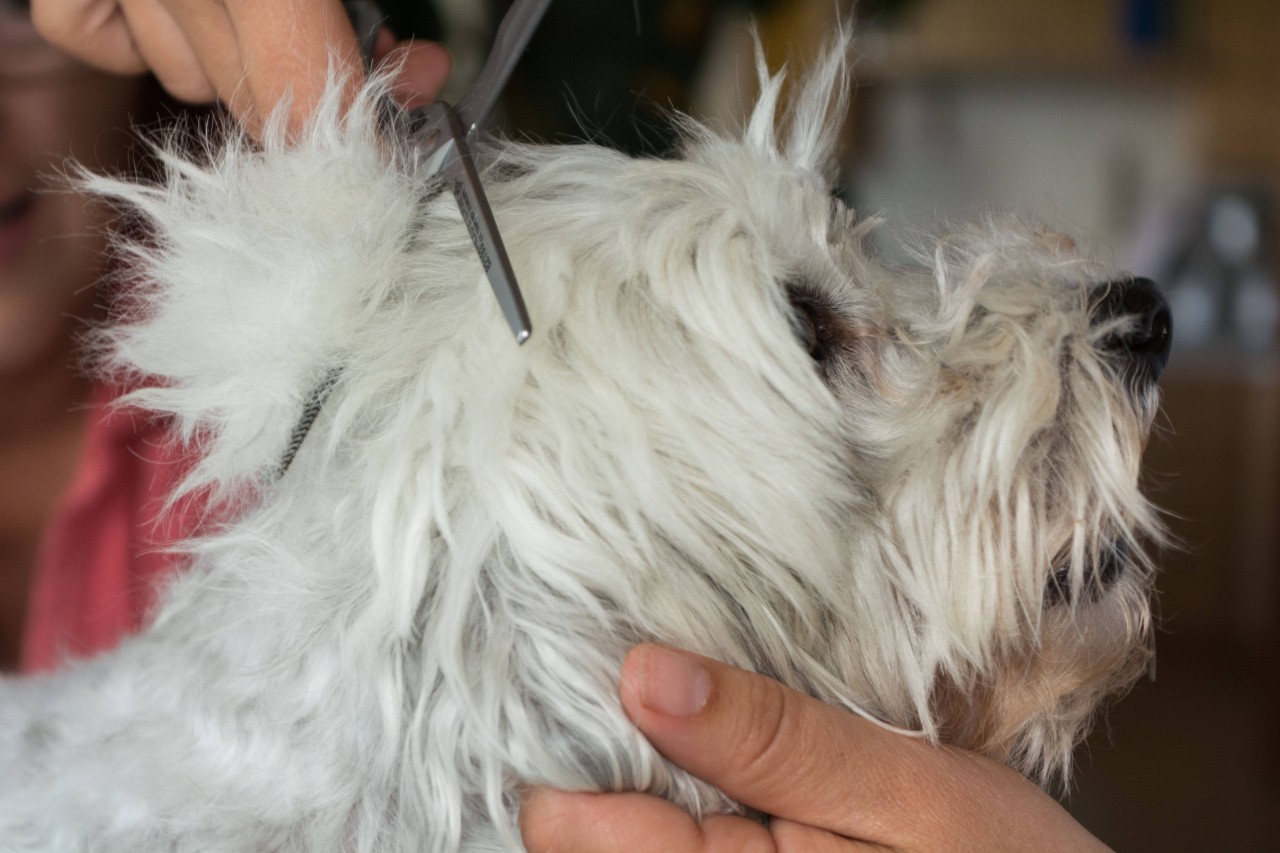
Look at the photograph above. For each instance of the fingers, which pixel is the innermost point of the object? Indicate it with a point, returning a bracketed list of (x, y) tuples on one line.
[(247, 53), (638, 823), (424, 67), (805, 762), (93, 31), (832, 781), (587, 823), (793, 837), (765, 746), (185, 68), (286, 47)]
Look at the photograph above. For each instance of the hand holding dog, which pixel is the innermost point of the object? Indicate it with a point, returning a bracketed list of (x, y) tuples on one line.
[(245, 53), (832, 780)]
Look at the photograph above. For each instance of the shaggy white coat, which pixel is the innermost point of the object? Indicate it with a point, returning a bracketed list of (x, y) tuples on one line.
[(430, 607)]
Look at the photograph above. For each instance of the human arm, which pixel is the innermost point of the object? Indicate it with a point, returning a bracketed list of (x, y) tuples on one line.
[(831, 780)]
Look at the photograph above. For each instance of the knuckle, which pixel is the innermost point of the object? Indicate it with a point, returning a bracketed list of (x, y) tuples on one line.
[(767, 729), (951, 787), (187, 85), (759, 842), (792, 837), (541, 822), (735, 834)]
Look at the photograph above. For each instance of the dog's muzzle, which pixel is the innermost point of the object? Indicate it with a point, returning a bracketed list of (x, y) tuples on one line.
[(1144, 343)]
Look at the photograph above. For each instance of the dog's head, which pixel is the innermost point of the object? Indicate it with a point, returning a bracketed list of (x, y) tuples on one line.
[(911, 490), (920, 480)]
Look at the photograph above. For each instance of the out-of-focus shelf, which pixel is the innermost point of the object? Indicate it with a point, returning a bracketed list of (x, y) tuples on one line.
[(903, 57), (1222, 51), (1224, 365)]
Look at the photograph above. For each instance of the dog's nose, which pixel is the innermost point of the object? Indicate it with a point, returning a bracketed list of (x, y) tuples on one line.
[(1144, 342)]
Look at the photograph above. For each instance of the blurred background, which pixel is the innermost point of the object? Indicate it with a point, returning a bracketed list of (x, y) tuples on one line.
[(1148, 128)]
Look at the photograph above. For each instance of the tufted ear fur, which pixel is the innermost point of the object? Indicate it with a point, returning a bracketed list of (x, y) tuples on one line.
[(805, 133), (257, 269)]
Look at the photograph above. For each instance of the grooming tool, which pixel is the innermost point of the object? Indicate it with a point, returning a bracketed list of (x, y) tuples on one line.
[(445, 133)]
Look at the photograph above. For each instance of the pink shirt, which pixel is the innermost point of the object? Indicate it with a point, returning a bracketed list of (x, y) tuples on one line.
[(103, 554)]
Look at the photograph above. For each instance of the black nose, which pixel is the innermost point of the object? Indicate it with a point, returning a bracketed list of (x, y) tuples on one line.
[(1143, 342)]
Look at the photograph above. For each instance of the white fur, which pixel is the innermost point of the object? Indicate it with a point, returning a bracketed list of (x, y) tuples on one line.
[(430, 607)]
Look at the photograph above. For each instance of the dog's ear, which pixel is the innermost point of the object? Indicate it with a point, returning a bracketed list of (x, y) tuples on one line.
[(258, 265), (807, 134)]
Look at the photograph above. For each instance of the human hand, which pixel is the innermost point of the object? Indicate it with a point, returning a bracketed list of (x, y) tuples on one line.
[(246, 53), (831, 780)]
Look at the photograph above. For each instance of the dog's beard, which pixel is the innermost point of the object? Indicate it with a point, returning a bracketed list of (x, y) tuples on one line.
[(1029, 707)]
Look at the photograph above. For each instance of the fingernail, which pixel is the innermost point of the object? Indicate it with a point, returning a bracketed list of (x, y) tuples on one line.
[(675, 684)]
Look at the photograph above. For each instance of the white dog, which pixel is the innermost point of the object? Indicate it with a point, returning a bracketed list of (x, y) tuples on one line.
[(910, 492)]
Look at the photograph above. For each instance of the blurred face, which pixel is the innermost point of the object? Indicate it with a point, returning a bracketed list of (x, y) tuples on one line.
[(51, 109)]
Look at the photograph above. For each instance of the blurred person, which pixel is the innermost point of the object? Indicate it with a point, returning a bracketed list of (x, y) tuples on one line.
[(80, 548), (832, 780), (74, 479)]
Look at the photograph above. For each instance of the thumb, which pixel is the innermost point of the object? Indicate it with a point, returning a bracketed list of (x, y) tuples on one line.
[(766, 746), (790, 756)]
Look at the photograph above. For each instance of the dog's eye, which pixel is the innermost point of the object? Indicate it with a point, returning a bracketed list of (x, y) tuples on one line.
[(805, 327), (1102, 572), (810, 321)]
